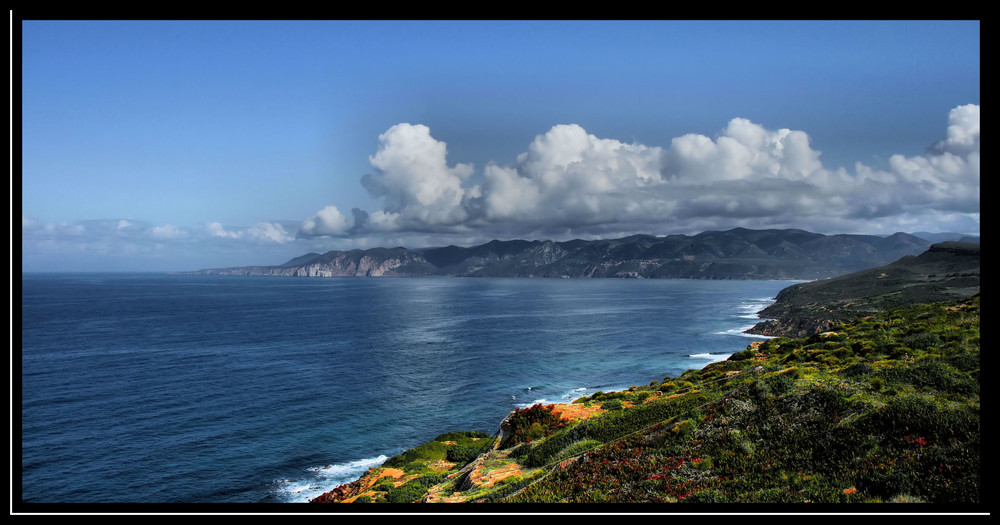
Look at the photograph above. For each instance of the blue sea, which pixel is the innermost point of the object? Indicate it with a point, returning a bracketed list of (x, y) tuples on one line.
[(183, 388)]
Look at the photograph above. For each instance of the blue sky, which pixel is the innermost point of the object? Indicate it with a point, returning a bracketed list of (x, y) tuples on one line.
[(179, 145)]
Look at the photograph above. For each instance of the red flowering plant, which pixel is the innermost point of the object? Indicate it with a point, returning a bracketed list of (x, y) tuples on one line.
[(533, 423)]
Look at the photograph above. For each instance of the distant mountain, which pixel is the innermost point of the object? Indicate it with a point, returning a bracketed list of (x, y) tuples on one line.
[(945, 272), (732, 254), (946, 237)]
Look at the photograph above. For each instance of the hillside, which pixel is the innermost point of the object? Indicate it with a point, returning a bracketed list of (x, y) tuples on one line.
[(946, 271), (733, 254), (881, 409), (884, 406)]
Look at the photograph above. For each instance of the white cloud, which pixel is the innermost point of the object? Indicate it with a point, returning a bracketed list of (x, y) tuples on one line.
[(414, 178), (328, 221), (167, 231), (215, 229), (269, 232), (574, 183), (963, 131)]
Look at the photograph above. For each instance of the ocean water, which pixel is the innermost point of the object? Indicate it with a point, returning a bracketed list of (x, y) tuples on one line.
[(174, 388)]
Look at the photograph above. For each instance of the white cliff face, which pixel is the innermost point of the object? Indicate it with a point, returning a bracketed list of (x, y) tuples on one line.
[(346, 266)]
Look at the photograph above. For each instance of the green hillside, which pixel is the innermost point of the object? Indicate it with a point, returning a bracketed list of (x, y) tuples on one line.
[(881, 409), (945, 272)]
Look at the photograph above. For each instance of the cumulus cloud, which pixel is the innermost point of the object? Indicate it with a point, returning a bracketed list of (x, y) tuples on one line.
[(413, 176), (963, 132), (328, 221), (573, 182)]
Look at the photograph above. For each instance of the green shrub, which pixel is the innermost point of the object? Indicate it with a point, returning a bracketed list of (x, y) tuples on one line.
[(576, 448), (430, 451), (407, 493), (612, 404), (744, 355), (384, 485), (857, 370), (461, 436), (780, 383), (931, 375), (462, 454), (921, 341), (708, 496)]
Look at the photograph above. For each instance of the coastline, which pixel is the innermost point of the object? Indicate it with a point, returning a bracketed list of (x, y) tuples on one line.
[(347, 492)]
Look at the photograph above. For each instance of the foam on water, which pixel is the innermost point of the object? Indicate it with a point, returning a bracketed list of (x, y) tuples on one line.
[(562, 396), (316, 481), (741, 333), (711, 357)]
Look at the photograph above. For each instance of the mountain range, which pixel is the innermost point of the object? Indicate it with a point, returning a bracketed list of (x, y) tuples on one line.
[(738, 253)]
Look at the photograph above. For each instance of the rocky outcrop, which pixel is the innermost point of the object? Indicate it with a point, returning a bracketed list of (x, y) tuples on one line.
[(794, 328)]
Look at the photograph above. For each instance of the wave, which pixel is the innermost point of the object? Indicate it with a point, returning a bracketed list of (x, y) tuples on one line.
[(711, 357), (564, 396), (318, 480), (742, 332)]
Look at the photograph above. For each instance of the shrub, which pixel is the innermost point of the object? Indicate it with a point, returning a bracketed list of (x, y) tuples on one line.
[(407, 493), (708, 496), (856, 370), (613, 404), (780, 383), (532, 423), (462, 454), (431, 451), (384, 485), (742, 356), (577, 448), (921, 341)]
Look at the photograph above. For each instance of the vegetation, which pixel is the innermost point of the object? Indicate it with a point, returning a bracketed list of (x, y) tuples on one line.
[(882, 409), (455, 447), (946, 272)]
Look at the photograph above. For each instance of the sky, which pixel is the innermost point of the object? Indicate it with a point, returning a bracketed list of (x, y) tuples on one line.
[(182, 145)]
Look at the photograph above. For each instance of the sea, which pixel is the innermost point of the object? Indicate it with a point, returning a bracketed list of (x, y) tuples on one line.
[(162, 388)]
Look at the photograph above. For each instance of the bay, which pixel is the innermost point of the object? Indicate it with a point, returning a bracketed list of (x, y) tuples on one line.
[(156, 388)]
